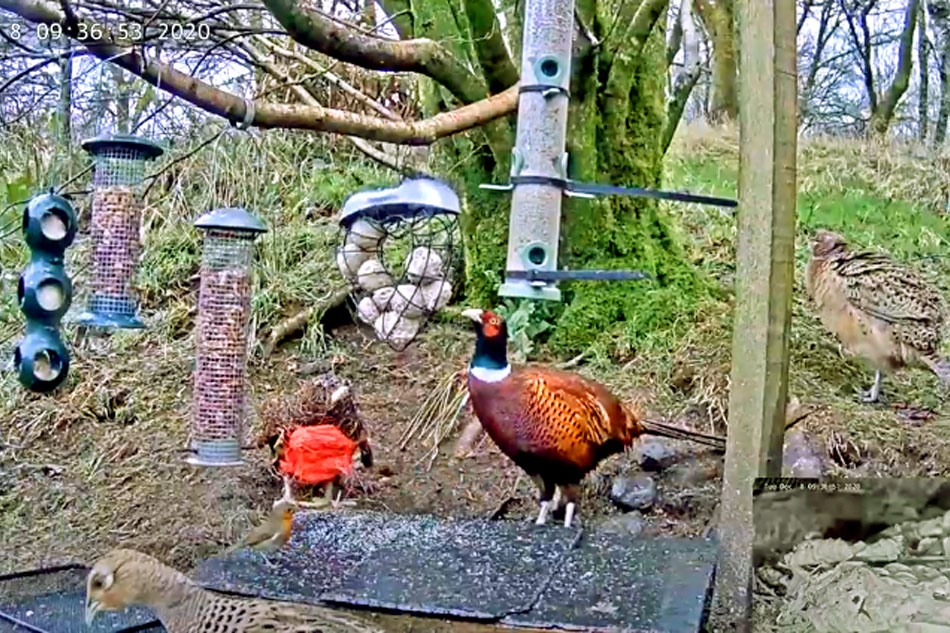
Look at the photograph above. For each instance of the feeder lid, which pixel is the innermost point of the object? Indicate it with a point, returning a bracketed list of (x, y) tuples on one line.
[(104, 142), (414, 196), (233, 218)]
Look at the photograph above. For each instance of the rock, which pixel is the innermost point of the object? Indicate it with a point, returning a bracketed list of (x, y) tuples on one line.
[(655, 455), (383, 297), (628, 524), (803, 457), (367, 310), (437, 294), (350, 258), (633, 493), (408, 301), (693, 471), (392, 327)]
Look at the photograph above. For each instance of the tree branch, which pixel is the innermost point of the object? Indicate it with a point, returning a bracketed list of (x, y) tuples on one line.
[(881, 117), (490, 48), (629, 47), (271, 115), (686, 79), (342, 42), (308, 98), (330, 77)]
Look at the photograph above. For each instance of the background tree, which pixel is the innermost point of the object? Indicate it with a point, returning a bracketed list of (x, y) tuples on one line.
[(719, 18), (460, 58)]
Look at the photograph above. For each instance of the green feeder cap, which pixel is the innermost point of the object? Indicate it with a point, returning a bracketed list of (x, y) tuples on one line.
[(141, 147), (231, 219)]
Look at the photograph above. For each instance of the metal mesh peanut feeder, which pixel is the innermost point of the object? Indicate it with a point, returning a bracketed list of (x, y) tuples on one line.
[(116, 217), (224, 304), (398, 250)]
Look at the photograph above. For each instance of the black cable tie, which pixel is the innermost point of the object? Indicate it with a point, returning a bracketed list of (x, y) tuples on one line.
[(545, 89), (578, 275), (596, 189)]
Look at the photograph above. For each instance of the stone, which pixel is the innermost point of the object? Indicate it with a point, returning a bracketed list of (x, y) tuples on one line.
[(655, 455), (802, 456), (633, 493)]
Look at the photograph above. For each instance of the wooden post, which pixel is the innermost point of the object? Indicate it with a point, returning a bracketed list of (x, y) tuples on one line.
[(764, 282)]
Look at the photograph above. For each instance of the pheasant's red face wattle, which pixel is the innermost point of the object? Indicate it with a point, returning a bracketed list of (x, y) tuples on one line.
[(491, 324)]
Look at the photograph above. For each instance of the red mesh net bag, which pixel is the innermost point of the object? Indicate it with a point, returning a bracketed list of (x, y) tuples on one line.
[(317, 454)]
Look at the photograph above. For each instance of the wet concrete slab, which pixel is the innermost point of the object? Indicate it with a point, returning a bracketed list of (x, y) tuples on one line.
[(511, 573)]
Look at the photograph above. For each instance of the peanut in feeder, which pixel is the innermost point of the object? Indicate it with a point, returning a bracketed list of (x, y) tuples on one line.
[(116, 216), (398, 253), (224, 304)]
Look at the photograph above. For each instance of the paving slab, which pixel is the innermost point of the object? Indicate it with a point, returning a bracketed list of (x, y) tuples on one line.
[(411, 563), (512, 572), (54, 602), (630, 585)]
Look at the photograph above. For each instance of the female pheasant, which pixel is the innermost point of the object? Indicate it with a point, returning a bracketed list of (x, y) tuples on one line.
[(880, 310), (124, 578), (555, 425)]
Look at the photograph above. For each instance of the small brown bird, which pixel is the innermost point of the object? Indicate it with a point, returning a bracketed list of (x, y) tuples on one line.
[(274, 533), (881, 311), (124, 578), (557, 426)]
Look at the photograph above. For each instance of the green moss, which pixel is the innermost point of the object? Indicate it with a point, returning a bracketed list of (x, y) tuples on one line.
[(614, 138)]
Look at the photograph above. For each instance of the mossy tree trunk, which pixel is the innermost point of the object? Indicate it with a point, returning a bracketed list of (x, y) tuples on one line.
[(719, 19), (615, 128)]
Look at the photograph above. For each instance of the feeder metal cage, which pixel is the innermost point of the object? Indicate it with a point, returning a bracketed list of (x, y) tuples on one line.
[(116, 216), (399, 252), (224, 303)]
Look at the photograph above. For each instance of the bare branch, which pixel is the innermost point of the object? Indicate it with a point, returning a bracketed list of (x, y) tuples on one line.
[(342, 42), (270, 115), (308, 98), (490, 47), (331, 77)]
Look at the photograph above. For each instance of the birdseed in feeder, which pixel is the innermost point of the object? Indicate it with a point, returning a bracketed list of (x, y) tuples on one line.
[(50, 295), (53, 227), (115, 226)]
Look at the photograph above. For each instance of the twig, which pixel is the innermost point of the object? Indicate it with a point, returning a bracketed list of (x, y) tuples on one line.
[(299, 321), (574, 361)]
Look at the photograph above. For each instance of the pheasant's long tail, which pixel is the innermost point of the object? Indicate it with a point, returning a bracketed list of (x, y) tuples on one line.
[(666, 430), (941, 367)]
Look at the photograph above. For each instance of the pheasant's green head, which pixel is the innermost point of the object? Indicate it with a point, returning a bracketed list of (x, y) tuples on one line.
[(491, 344)]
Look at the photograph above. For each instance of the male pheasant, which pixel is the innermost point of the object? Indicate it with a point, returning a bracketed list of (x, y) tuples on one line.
[(880, 310), (125, 577), (555, 425)]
